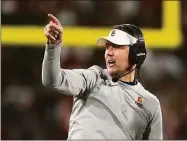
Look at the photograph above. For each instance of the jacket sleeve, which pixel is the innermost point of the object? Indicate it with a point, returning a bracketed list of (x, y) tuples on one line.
[(70, 82), (156, 126)]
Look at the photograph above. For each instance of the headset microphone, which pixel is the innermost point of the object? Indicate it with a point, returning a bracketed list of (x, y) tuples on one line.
[(116, 78)]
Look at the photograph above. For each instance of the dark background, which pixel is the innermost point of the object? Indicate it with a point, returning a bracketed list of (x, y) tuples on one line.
[(31, 111)]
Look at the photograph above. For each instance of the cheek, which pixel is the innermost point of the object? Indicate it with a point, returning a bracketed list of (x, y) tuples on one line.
[(123, 58), (126, 56)]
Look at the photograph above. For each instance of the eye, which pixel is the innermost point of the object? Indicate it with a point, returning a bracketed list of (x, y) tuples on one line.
[(115, 46), (107, 46)]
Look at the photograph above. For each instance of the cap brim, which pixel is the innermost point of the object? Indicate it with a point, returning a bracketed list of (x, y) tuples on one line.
[(102, 41), (117, 37)]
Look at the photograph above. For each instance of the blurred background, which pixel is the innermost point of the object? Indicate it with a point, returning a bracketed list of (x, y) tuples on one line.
[(31, 111)]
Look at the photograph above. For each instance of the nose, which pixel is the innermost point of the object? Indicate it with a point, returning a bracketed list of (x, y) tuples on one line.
[(110, 51)]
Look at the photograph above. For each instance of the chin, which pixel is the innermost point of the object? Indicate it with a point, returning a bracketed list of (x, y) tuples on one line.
[(112, 72)]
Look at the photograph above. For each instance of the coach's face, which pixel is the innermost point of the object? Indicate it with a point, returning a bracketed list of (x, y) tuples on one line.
[(116, 58)]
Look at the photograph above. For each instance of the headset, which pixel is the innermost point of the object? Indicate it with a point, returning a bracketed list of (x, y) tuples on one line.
[(137, 51)]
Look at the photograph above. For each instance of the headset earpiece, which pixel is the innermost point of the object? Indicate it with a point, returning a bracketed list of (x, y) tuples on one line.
[(141, 52), (137, 51), (132, 54)]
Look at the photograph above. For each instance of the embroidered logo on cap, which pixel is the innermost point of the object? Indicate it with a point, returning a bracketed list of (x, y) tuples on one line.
[(113, 32)]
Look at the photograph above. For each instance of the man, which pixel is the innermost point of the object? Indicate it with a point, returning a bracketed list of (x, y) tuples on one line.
[(108, 103)]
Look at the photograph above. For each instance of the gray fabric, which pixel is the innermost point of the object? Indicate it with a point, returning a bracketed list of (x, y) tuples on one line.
[(102, 109)]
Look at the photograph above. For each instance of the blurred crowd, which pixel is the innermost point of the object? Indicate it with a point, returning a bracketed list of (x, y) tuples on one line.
[(31, 111)]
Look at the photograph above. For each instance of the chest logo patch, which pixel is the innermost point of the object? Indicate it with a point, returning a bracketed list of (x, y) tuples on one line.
[(139, 101)]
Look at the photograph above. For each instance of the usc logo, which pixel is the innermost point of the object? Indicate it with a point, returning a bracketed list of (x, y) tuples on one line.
[(139, 102)]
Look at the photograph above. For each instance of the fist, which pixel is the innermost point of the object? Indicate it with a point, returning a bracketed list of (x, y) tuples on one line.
[(53, 30)]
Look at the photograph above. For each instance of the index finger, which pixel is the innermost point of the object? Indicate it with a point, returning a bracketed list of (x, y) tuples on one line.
[(54, 19)]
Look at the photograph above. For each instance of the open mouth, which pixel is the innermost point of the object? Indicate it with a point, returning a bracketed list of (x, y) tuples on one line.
[(111, 63)]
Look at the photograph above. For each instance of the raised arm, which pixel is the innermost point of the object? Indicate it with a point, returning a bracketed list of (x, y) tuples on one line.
[(70, 82)]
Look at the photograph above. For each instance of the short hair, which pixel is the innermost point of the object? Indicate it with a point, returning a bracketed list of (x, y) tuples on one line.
[(130, 29)]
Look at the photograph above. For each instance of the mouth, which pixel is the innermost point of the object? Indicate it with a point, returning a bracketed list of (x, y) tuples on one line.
[(111, 63)]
